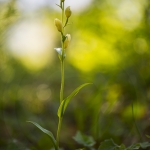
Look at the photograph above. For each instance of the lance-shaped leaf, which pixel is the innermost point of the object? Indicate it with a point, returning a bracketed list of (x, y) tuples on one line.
[(148, 136), (66, 101), (50, 135)]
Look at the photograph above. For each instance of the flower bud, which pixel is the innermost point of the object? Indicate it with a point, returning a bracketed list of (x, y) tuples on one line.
[(58, 24), (67, 41), (68, 12)]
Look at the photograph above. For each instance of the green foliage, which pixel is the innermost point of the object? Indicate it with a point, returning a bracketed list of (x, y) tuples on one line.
[(66, 101), (110, 145), (50, 135), (144, 145), (148, 136), (116, 57), (84, 140)]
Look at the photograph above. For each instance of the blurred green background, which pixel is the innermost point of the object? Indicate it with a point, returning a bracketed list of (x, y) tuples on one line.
[(110, 47)]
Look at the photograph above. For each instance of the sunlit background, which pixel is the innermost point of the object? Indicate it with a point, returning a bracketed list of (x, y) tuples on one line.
[(109, 47)]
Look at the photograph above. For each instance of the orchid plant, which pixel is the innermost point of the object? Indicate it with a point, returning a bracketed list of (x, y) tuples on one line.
[(87, 141), (65, 40)]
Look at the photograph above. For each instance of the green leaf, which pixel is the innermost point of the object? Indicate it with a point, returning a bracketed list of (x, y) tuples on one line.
[(108, 145), (144, 145), (134, 146), (87, 141), (148, 136), (50, 135), (122, 147), (66, 101)]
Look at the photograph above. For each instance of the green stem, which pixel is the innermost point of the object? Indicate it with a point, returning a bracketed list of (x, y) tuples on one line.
[(62, 12), (61, 97), (62, 80), (58, 130), (62, 60)]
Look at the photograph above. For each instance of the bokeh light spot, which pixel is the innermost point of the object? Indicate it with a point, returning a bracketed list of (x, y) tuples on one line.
[(31, 42)]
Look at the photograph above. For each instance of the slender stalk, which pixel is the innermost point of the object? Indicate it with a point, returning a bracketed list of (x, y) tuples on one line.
[(62, 12), (62, 80), (61, 99), (58, 130)]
